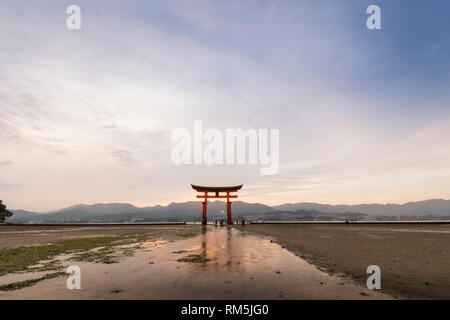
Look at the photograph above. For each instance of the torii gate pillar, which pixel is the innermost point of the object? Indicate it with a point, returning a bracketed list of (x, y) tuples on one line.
[(204, 221), (229, 220)]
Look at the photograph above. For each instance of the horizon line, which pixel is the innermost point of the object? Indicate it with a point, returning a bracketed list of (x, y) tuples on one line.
[(284, 203)]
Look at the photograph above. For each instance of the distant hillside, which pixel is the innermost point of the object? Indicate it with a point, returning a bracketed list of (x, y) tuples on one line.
[(118, 212), (191, 210), (311, 215), (437, 207)]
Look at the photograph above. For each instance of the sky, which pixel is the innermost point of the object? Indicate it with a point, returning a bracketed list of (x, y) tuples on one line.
[(86, 115)]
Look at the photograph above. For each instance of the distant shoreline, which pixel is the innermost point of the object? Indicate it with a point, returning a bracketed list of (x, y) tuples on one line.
[(424, 222)]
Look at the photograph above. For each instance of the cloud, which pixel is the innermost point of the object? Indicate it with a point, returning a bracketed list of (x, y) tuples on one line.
[(7, 187), (97, 107)]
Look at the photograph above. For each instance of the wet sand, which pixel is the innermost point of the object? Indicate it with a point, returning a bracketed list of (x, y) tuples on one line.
[(19, 236), (240, 265), (414, 259)]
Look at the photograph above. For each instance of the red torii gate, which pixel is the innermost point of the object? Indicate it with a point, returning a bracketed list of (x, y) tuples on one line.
[(216, 190)]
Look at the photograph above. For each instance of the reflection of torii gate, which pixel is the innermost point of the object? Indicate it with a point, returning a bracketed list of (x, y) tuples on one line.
[(216, 190)]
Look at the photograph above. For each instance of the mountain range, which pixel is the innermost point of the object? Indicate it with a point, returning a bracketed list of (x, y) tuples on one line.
[(191, 210)]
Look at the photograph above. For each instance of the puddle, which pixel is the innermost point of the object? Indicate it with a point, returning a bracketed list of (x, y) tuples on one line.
[(237, 265)]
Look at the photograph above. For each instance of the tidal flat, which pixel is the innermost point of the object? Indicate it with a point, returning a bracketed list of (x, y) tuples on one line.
[(165, 262), (414, 259)]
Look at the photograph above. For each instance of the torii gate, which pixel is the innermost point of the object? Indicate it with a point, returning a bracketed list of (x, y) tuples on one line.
[(216, 191)]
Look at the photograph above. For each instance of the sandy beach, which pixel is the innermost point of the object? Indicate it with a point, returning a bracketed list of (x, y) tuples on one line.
[(414, 259), (259, 261), (190, 263)]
